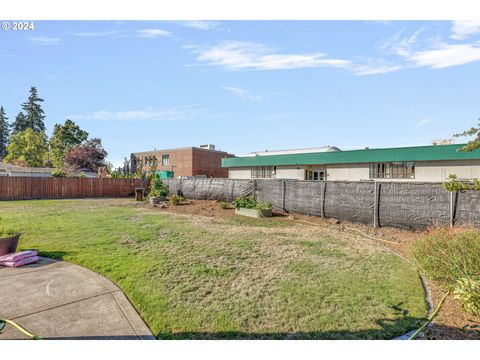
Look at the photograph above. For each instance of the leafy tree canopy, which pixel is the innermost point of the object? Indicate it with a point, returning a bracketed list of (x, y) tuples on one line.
[(27, 148), (88, 156), (472, 144), (64, 138)]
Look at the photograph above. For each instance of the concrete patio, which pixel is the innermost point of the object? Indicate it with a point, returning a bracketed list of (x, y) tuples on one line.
[(58, 300)]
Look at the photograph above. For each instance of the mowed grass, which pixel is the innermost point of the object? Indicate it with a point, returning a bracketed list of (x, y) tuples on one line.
[(203, 278)]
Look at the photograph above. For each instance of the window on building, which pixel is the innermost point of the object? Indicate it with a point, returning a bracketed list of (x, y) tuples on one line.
[(165, 160), (259, 172), (316, 175), (393, 170)]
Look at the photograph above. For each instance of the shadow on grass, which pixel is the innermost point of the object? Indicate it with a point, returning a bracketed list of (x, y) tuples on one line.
[(389, 331)]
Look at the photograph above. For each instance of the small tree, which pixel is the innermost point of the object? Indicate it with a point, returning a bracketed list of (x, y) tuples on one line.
[(89, 156), (4, 132), (20, 123), (64, 138), (472, 144), (27, 148), (34, 112)]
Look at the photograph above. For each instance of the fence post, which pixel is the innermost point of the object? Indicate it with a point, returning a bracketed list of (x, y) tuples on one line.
[(180, 187), (376, 203), (255, 188), (453, 203), (323, 188), (284, 188), (194, 181)]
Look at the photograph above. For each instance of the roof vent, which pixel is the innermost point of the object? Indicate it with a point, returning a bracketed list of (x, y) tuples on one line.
[(208, 146)]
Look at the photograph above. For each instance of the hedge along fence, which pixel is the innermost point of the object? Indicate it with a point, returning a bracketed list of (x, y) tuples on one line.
[(399, 204), (26, 188)]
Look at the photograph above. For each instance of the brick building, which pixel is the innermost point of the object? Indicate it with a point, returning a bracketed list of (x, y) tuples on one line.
[(189, 161)]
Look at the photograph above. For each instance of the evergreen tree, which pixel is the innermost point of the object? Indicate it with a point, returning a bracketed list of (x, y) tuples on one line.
[(20, 123), (4, 132), (34, 112)]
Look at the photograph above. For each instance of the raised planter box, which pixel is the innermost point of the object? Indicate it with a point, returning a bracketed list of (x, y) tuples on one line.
[(265, 213), (157, 200), (9, 245)]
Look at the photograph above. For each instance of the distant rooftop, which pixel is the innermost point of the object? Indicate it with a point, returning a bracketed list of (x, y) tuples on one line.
[(412, 153), (327, 148)]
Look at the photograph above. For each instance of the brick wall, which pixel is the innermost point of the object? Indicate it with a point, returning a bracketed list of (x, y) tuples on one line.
[(188, 161)]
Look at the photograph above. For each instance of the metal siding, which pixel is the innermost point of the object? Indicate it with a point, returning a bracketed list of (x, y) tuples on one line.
[(417, 153)]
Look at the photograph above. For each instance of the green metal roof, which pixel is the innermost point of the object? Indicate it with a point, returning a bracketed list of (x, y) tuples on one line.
[(415, 153)]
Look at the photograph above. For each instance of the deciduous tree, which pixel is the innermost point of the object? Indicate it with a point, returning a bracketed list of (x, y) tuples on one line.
[(27, 148), (64, 138), (472, 144), (89, 156)]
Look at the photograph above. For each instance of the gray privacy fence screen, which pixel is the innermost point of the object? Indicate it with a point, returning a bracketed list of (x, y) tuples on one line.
[(398, 204)]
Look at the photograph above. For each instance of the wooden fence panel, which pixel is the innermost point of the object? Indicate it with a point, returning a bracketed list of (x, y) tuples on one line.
[(25, 188)]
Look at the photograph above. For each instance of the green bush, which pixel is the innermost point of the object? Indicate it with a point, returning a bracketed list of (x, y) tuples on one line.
[(176, 199), (224, 205), (468, 292), (452, 257), (7, 231), (59, 173), (249, 202), (157, 188)]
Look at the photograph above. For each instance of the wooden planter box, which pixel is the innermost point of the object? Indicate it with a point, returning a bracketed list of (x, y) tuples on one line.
[(266, 213), (9, 245)]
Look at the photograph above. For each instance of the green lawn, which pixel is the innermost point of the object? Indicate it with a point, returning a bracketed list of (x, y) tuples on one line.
[(197, 277)]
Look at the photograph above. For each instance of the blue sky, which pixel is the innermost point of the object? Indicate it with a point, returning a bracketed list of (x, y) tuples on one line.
[(248, 85)]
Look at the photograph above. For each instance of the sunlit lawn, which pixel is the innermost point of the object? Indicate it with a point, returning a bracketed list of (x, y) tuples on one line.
[(195, 277)]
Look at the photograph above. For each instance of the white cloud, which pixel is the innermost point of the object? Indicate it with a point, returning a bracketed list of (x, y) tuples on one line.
[(424, 122), (97, 33), (464, 29), (242, 93), (170, 114), (199, 24), (431, 53), (238, 55), (446, 55), (45, 40), (153, 33)]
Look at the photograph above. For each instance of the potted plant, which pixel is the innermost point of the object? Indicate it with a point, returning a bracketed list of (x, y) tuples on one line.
[(249, 206), (8, 240), (158, 191)]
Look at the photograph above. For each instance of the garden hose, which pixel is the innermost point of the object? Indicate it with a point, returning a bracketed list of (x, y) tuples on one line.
[(429, 320), (23, 330)]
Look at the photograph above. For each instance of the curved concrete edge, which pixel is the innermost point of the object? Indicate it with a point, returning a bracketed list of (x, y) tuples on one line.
[(61, 300), (427, 293)]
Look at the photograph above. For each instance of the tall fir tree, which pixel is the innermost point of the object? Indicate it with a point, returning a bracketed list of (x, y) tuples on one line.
[(20, 123), (33, 111), (4, 132)]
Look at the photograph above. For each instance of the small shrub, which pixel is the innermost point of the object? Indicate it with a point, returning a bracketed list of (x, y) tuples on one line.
[(249, 202), (157, 188), (224, 205), (59, 173), (8, 231), (453, 184), (176, 199), (468, 292), (452, 258)]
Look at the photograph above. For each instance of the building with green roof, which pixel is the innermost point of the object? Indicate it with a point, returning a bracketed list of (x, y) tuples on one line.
[(431, 163)]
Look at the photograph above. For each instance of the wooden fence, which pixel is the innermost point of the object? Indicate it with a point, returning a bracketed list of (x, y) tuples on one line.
[(25, 188)]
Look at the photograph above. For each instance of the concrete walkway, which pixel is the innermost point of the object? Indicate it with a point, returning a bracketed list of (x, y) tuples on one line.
[(59, 300)]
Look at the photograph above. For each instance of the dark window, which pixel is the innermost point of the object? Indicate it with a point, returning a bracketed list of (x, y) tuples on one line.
[(393, 170)]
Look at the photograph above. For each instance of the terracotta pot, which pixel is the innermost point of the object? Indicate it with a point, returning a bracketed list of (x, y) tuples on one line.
[(9, 245)]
